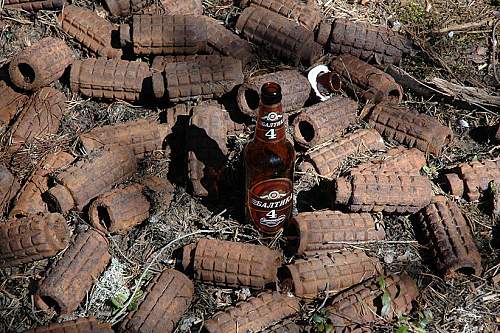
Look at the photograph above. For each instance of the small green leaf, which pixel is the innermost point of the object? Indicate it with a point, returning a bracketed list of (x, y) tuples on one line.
[(386, 304), (317, 319), (320, 327), (329, 328), (402, 329), (134, 304), (381, 282), (119, 300)]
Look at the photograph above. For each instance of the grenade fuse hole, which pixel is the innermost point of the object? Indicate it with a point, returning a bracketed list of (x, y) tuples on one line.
[(27, 72)]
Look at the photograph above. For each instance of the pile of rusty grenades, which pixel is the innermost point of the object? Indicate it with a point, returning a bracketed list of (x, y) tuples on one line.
[(195, 59)]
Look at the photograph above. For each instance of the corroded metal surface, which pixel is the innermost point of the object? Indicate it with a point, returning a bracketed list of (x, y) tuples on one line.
[(80, 325), (70, 279), (283, 38), (125, 7), (91, 177), (387, 192), (111, 79), (254, 315), (355, 309), (446, 233), (11, 102), (166, 299), (326, 160), (160, 190), (8, 187), (365, 80), (410, 128), (294, 86), (32, 238), (34, 5), (329, 273), (323, 121), (321, 232), (232, 264), (91, 30), (397, 159), (364, 41)]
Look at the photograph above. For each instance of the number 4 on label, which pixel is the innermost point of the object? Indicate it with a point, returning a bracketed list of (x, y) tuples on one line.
[(271, 134), (272, 214)]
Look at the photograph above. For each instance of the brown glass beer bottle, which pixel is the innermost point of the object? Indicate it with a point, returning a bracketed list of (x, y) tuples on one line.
[(270, 163)]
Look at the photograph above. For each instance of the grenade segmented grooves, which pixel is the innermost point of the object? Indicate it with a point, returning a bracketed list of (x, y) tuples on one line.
[(34, 5), (29, 201), (397, 159), (8, 187), (111, 79), (365, 80), (165, 34), (364, 41), (332, 273), (308, 15), (186, 81), (125, 7), (41, 116), (283, 38), (167, 297), (143, 136), (386, 192), (88, 179), (232, 264), (473, 178), (322, 232), (40, 64), (10, 103), (119, 210), (295, 90), (228, 43), (80, 325), (159, 62), (91, 30), (254, 315), (32, 238), (69, 280), (286, 326), (321, 122), (185, 7), (353, 309), (328, 159), (206, 146), (410, 128), (447, 235)]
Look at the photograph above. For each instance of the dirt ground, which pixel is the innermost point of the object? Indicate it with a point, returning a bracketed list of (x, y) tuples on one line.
[(462, 55)]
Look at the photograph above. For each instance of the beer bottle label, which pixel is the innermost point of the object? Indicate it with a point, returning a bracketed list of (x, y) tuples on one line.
[(270, 202), (270, 127)]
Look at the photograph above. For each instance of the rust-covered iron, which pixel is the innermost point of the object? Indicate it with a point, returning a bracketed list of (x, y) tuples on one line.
[(90, 177), (184, 81), (90, 30), (409, 127), (111, 79), (40, 64), (446, 233), (159, 190), (119, 210), (355, 309), (70, 279), (143, 136), (165, 34), (185, 7), (286, 326), (34, 5), (166, 299), (255, 314), (386, 192), (334, 272), (364, 41), (30, 201), (125, 7), (324, 121), (283, 38), (326, 160), (41, 116), (80, 325), (471, 179), (11, 102), (8, 187), (307, 14), (228, 43), (231, 264), (159, 62), (294, 86), (397, 159), (365, 80), (325, 231), (32, 238)]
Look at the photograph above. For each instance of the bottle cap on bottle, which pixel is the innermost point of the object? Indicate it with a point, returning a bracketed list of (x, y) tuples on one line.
[(270, 93)]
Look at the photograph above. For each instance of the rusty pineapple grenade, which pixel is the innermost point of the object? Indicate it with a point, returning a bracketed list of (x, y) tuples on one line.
[(165, 34), (34, 5), (80, 325), (124, 8)]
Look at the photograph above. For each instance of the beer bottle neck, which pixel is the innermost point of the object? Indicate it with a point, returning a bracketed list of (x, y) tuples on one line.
[(270, 126)]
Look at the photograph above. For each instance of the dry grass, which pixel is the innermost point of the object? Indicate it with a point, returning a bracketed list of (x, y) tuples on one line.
[(467, 304)]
